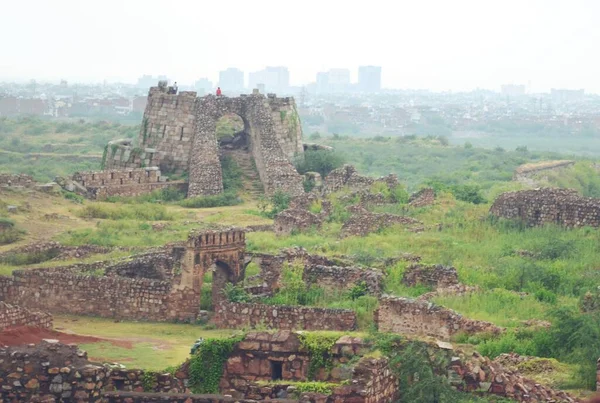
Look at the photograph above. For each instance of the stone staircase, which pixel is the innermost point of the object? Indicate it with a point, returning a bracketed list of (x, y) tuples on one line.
[(250, 178)]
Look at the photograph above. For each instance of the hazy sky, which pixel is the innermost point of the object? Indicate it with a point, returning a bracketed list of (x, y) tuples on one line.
[(435, 44)]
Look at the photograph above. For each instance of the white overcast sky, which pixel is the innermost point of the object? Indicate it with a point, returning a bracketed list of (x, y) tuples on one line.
[(434, 44)]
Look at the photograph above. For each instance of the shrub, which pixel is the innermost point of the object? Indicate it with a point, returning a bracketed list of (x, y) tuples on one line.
[(468, 193), (321, 161), (399, 194), (207, 363), (235, 293), (277, 203), (220, 200)]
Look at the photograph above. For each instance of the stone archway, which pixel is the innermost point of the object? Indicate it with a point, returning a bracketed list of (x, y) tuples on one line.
[(272, 142)]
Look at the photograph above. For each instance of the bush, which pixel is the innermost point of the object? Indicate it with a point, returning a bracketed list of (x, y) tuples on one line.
[(235, 293), (277, 203), (232, 174), (220, 200), (321, 161), (468, 193)]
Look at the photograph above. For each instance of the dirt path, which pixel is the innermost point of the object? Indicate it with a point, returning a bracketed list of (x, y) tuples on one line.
[(32, 335)]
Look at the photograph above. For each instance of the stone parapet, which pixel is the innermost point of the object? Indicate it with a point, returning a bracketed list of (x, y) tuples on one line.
[(14, 316)]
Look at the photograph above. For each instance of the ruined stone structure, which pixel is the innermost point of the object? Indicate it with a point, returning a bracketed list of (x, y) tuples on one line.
[(433, 276), (347, 176), (16, 180), (422, 198), (178, 134), (409, 316), (263, 356), (53, 251), (528, 173), (548, 205), (160, 286), (343, 278), (231, 315), (124, 182), (13, 316), (362, 222), (292, 220), (223, 249)]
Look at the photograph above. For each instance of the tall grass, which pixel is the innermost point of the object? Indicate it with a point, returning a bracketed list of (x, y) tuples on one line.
[(146, 211)]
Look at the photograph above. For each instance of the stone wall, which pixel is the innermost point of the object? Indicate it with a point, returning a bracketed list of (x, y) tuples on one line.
[(16, 180), (137, 397), (343, 278), (526, 172), (255, 358), (433, 276), (54, 251), (409, 316), (292, 220), (124, 182), (347, 176), (422, 198), (230, 315), (362, 222), (548, 205), (13, 316), (64, 290)]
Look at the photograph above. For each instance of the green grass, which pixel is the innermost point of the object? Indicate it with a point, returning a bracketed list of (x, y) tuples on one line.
[(146, 211), (155, 345)]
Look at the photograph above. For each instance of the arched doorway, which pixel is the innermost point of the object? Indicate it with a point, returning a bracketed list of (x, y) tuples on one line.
[(222, 274)]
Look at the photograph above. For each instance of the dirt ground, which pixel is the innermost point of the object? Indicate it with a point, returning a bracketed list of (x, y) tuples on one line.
[(32, 335)]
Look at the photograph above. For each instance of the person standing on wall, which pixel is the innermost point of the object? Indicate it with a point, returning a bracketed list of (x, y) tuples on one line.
[(219, 91)]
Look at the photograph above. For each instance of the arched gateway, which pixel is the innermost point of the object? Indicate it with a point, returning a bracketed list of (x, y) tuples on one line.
[(178, 133)]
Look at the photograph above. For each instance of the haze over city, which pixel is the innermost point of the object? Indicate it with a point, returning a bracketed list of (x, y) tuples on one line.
[(437, 45)]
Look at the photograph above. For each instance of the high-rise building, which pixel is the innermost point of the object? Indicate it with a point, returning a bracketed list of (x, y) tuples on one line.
[(369, 78), (563, 95), (203, 86), (231, 80), (274, 79), (333, 81)]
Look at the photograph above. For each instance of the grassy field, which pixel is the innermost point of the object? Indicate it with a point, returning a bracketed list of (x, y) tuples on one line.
[(154, 346)]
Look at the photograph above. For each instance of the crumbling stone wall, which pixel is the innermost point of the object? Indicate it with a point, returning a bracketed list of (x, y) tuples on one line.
[(548, 205), (230, 315), (16, 180), (526, 172), (55, 249), (254, 358), (409, 316), (347, 176), (433, 276), (12, 316), (124, 182), (362, 222), (422, 198), (267, 144), (291, 220), (343, 278)]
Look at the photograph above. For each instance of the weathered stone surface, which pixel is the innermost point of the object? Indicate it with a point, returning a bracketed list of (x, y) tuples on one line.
[(23, 180), (12, 316), (292, 220), (348, 177), (409, 316), (363, 222), (422, 198), (433, 276), (178, 134), (548, 205)]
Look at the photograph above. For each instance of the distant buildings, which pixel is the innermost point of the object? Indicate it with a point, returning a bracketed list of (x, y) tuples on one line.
[(513, 90), (147, 81), (562, 96), (203, 86), (333, 81), (274, 79), (369, 78), (231, 80)]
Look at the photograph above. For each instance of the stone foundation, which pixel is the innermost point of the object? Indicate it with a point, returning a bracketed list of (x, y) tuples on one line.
[(230, 315), (16, 180), (541, 206), (295, 220), (422, 198), (409, 316), (343, 278), (362, 222), (348, 177)]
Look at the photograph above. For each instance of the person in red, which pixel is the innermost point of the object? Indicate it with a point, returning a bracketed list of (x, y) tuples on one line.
[(218, 91)]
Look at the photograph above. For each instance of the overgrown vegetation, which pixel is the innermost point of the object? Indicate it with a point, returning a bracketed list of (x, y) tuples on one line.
[(149, 212), (321, 161), (318, 345), (206, 364)]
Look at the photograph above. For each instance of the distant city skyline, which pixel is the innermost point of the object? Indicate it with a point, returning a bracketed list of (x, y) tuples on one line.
[(431, 44)]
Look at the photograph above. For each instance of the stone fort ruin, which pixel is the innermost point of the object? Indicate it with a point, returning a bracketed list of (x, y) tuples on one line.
[(178, 133)]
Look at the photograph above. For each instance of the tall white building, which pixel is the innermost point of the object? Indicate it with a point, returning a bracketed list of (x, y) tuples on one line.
[(231, 80), (274, 79)]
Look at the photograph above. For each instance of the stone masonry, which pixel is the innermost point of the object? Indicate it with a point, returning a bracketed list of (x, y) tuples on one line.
[(295, 219), (422, 198), (347, 176), (124, 182), (409, 316), (178, 134), (14, 316), (16, 180), (548, 205), (433, 276), (362, 222)]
